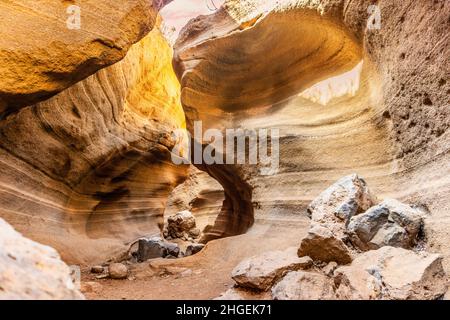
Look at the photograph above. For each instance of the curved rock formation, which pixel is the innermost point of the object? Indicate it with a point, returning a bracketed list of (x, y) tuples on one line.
[(93, 162), (245, 65), (55, 44)]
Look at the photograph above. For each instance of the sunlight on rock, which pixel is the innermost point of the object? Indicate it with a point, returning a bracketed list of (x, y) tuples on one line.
[(346, 84)]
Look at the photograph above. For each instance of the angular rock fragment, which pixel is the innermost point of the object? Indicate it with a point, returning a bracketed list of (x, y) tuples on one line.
[(302, 285), (322, 245), (391, 223), (391, 273), (261, 272), (29, 270), (156, 248)]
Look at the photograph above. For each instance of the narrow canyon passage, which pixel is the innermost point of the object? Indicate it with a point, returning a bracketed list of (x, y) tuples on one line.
[(87, 154)]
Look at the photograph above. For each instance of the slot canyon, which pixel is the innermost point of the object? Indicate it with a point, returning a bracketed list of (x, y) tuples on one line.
[(87, 122)]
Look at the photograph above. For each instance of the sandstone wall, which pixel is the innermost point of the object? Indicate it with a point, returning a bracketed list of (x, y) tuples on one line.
[(393, 132), (89, 169)]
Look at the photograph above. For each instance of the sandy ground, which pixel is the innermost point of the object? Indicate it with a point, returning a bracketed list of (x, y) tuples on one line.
[(203, 276)]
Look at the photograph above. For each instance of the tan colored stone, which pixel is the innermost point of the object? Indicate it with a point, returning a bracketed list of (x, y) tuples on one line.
[(261, 272), (118, 271), (392, 273), (320, 244), (302, 285), (44, 56)]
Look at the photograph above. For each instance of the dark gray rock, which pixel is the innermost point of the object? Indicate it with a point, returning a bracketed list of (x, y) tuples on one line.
[(194, 248), (391, 223), (156, 248)]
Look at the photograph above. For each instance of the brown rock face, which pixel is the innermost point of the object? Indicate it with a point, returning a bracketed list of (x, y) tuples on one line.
[(43, 50), (29, 270), (321, 244), (93, 162)]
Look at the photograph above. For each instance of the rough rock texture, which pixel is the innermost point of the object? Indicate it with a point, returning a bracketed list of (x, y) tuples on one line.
[(347, 197), (322, 245), (89, 169), (392, 273), (182, 225), (302, 285), (391, 223), (44, 54), (156, 248), (29, 270), (263, 271), (393, 130), (330, 213)]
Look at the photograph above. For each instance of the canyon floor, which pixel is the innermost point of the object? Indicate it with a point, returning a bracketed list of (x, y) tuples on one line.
[(211, 268)]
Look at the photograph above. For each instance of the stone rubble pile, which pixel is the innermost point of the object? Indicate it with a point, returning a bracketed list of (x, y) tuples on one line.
[(356, 248)]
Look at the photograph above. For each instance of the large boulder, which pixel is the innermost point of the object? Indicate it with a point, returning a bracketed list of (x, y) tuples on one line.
[(344, 199), (29, 270), (301, 285), (390, 223), (322, 245), (392, 273), (261, 272)]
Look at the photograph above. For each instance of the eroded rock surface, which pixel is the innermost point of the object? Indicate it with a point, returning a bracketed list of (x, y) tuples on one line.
[(29, 270), (347, 197), (48, 51), (261, 272), (90, 168), (391, 223), (322, 245), (182, 225), (303, 285), (392, 273)]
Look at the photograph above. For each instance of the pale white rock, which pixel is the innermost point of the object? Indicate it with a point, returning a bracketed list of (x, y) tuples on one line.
[(30, 270), (261, 272), (392, 273)]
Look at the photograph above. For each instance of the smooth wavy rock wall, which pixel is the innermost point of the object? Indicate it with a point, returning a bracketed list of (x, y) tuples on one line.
[(245, 65), (89, 170)]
